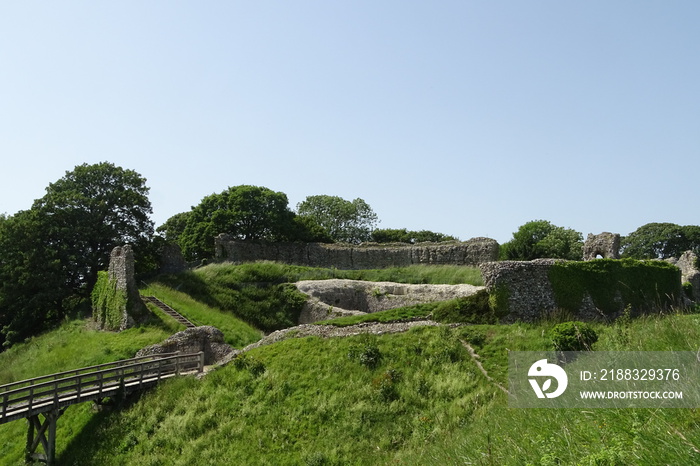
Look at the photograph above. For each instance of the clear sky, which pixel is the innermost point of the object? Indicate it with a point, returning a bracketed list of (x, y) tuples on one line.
[(468, 118)]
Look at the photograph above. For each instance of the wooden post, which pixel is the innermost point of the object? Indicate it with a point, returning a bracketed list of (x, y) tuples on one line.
[(36, 435)]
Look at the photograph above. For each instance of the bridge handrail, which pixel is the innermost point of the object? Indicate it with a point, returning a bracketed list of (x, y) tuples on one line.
[(140, 369), (59, 375)]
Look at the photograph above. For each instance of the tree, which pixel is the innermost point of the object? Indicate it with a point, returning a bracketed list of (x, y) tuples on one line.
[(174, 227), (542, 239), (248, 213), (345, 221), (660, 241), (402, 235), (50, 255)]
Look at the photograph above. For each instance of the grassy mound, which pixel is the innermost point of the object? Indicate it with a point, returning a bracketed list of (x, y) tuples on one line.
[(412, 398), (261, 293)]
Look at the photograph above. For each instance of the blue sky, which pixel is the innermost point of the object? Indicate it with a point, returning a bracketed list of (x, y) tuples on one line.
[(468, 118)]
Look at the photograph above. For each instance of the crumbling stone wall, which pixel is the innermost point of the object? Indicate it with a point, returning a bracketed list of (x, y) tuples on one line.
[(688, 263), (606, 244), (527, 290), (336, 298), (171, 259), (365, 256), (206, 338), (120, 307)]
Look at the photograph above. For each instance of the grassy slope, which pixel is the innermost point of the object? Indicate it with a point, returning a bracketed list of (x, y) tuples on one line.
[(75, 344), (321, 402), (424, 403), (236, 332)]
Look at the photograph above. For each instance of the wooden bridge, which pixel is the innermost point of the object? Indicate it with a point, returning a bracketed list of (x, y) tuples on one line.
[(50, 395)]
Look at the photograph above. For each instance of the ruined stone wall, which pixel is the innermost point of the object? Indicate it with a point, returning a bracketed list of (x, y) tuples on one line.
[(606, 244), (524, 290), (365, 256), (116, 313), (688, 263)]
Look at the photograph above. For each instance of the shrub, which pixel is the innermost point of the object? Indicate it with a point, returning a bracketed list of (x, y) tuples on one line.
[(573, 336), (366, 353), (474, 309)]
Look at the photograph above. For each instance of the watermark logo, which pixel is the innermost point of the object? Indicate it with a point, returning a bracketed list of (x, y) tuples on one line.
[(543, 370)]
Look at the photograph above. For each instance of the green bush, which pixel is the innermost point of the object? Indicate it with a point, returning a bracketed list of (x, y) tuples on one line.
[(573, 336), (366, 353), (474, 309)]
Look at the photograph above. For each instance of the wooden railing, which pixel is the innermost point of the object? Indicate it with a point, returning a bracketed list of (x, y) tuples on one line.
[(57, 391)]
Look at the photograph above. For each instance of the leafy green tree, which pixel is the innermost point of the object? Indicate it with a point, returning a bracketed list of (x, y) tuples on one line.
[(50, 254), (660, 241), (248, 213), (345, 221), (174, 227), (541, 239), (403, 235)]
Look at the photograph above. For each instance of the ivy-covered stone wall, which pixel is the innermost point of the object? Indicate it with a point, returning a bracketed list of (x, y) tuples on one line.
[(116, 303), (589, 290)]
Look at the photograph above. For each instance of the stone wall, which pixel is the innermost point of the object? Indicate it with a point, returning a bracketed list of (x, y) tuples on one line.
[(336, 298), (524, 290), (688, 263), (365, 256), (206, 338), (121, 277), (605, 245)]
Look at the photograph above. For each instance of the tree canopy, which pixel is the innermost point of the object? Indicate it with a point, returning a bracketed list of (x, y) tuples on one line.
[(345, 221), (50, 254), (248, 213), (541, 239), (390, 235), (661, 241)]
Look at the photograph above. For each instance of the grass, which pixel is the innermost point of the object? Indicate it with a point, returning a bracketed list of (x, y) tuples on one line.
[(74, 345), (260, 293), (414, 398), (236, 332)]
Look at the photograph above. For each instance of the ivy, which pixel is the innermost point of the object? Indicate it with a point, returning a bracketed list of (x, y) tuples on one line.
[(612, 284), (108, 303)]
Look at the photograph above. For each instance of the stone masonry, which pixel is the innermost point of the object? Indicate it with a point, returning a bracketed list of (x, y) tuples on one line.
[(365, 256), (121, 272), (607, 245)]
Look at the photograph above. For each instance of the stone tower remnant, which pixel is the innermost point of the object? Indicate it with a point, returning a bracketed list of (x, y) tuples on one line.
[(606, 244), (121, 275)]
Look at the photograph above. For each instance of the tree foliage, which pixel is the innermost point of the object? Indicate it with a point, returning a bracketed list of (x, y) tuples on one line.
[(661, 241), (541, 239), (247, 213), (50, 254), (388, 235), (345, 221)]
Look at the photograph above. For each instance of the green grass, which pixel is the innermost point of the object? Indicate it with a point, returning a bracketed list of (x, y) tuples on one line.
[(236, 332), (74, 345), (411, 398), (266, 271), (261, 293)]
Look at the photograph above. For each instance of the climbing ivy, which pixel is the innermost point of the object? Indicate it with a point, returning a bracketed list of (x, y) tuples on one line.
[(108, 303), (644, 285)]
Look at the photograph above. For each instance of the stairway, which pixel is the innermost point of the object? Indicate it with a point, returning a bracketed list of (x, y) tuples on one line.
[(168, 310)]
